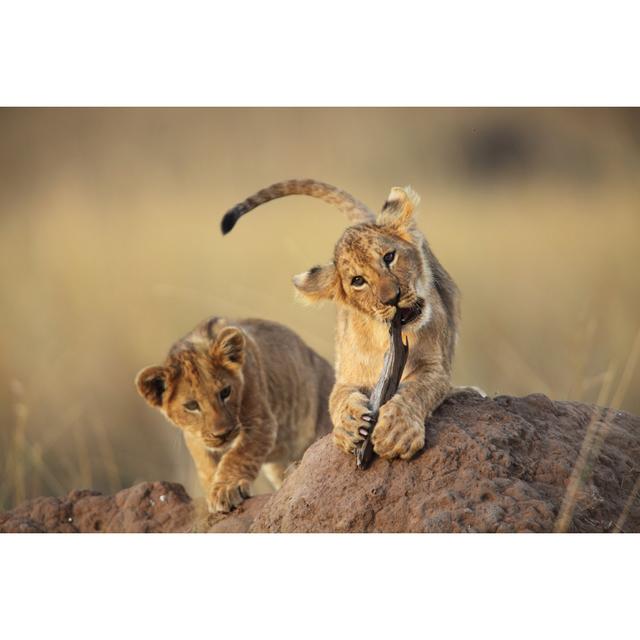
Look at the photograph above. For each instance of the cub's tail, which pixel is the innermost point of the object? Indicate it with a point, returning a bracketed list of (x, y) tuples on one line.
[(354, 209)]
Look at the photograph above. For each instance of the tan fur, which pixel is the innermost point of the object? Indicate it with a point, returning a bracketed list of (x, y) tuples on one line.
[(277, 405), (345, 202), (415, 280), (362, 336)]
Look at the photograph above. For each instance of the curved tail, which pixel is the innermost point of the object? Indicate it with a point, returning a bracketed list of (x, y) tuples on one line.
[(354, 209)]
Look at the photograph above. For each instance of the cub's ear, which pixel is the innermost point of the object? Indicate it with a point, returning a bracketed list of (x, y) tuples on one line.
[(151, 384), (397, 211), (228, 349), (319, 283)]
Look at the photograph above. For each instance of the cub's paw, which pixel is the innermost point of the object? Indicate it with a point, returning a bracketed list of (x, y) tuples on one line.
[(225, 496), (353, 422), (399, 433)]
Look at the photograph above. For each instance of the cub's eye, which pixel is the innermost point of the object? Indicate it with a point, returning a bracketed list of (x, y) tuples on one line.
[(225, 393), (357, 281), (389, 257), (191, 406)]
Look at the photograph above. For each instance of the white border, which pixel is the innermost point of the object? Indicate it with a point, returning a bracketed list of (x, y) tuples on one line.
[(288, 53), (319, 586)]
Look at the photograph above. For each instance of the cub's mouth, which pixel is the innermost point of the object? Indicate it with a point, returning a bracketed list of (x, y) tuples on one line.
[(217, 441), (411, 314)]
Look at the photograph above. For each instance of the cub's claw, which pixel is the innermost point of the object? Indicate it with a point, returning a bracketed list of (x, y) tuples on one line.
[(399, 433), (225, 496), (349, 430)]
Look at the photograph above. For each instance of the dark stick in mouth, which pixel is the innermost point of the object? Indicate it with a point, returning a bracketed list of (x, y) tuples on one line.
[(394, 360)]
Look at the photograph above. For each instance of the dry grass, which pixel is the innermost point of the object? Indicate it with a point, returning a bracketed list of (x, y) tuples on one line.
[(110, 250), (595, 435)]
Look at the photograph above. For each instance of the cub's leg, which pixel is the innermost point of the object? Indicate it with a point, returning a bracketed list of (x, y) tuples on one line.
[(400, 430), (275, 473), (350, 414), (205, 461), (240, 465)]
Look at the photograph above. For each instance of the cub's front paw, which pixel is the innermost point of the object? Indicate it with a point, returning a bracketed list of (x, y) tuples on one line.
[(353, 422), (399, 432), (225, 496)]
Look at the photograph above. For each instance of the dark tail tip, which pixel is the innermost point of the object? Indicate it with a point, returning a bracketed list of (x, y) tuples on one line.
[(228, 222)]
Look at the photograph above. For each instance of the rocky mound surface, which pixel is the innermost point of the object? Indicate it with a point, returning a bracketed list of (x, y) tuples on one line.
[(144, 508), (490, 465), (499, 464)]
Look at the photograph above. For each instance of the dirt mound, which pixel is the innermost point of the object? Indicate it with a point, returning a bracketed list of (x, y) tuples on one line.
[(148, 507), (238, 521), (144, 508), (500, 464)]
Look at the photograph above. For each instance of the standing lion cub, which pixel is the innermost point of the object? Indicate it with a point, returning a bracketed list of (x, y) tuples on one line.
[(381, 265), (245, 394)]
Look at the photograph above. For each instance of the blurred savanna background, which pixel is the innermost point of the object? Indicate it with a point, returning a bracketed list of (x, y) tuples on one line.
[(110, 250)]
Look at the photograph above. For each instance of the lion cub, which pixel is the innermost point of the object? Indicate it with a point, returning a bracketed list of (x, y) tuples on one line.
[(381, 265), (245, 394)]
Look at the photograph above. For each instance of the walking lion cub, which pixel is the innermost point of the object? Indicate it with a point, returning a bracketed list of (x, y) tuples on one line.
[(245, 394)]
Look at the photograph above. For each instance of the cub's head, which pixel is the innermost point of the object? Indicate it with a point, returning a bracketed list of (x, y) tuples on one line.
[(200, 386), (377, 266)]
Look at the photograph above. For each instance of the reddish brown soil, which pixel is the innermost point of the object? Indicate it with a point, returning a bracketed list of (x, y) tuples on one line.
[(498, 464), (146, 508)]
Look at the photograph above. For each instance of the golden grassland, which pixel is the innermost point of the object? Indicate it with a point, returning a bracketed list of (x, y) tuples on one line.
[(110, 251)]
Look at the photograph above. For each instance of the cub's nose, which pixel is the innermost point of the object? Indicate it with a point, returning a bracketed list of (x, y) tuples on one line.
[(393, 302), (222, 432)]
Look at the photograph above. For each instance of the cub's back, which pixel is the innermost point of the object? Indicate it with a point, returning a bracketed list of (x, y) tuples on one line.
[(299, 380)]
